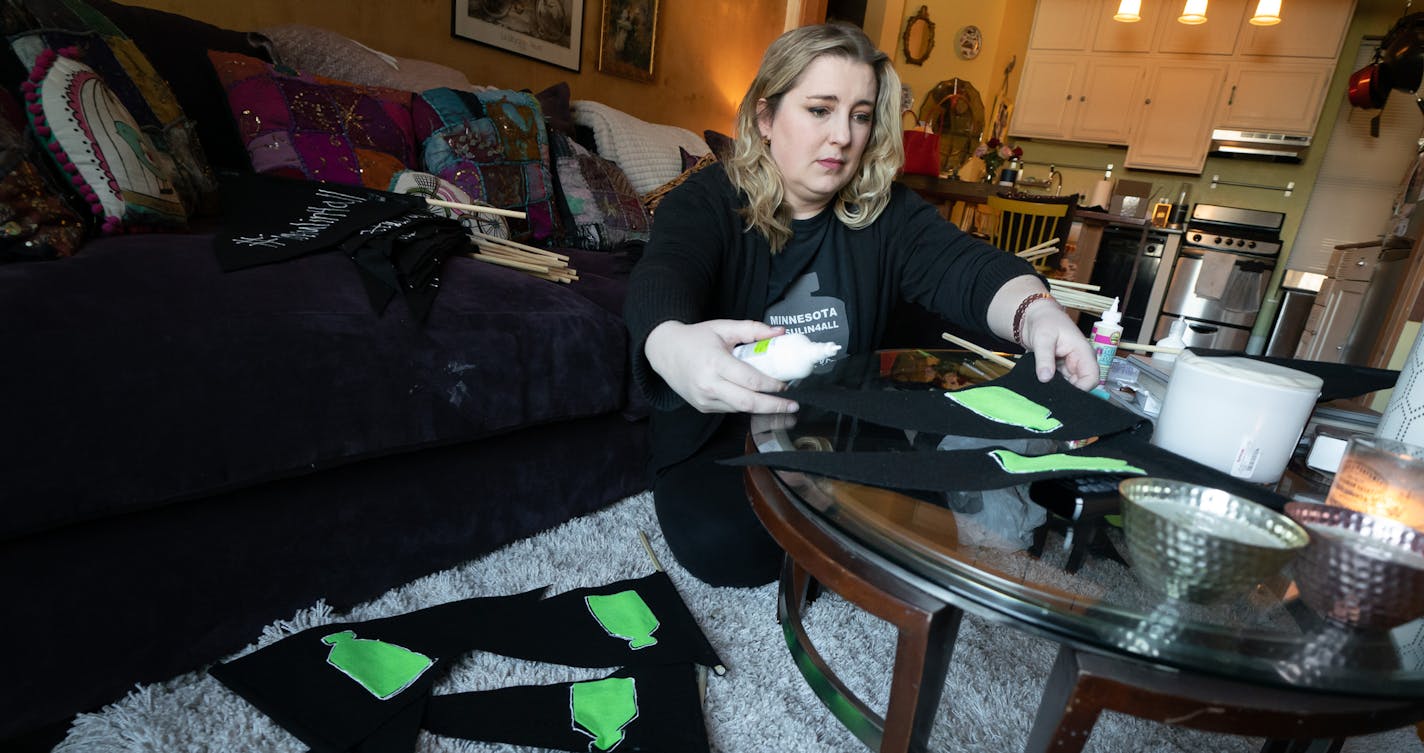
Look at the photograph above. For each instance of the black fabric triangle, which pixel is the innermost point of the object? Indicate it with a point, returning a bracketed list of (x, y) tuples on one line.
[(667, 717), (976, 470), (563, 629), (293, 682), (1083, 415)]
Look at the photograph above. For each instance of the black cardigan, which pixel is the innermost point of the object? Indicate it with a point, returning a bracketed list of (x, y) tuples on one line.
[(703, 264)]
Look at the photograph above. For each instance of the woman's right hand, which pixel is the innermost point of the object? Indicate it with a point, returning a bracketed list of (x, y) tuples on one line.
[(696, 361)]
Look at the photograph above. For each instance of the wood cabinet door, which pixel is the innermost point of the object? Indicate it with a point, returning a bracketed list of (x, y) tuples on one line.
[(1064, 24), (1277, 97), (1308, 28), (1116, 36), (1215, 37), (1173, 130), (1106, 101), (1045, 95)]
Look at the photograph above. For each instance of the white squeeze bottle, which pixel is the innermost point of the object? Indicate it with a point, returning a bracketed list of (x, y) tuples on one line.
[(1172, 340), (1107, 332), (785, 357)]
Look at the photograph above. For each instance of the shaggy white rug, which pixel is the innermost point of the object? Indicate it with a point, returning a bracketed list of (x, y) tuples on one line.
[(761, 704)]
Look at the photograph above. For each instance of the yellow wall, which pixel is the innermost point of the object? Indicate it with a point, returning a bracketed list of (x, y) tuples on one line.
[(1004, 26), (706, 51)]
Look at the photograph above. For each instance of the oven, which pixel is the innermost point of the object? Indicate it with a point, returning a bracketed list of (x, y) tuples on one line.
[(1221, 275)]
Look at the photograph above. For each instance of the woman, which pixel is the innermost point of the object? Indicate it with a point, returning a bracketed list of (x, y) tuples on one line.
[(803, 226)]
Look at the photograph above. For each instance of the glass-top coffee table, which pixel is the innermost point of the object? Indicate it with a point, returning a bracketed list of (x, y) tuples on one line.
[(1256, 663)]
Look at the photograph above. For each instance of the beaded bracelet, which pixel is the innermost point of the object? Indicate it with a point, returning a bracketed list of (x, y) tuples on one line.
[(1019, 315)]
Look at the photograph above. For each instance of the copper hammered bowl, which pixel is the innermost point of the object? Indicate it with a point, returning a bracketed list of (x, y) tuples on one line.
[(1359, 569), (1199, 544)]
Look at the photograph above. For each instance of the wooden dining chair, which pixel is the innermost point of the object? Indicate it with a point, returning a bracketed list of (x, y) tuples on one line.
[(1021, 223)]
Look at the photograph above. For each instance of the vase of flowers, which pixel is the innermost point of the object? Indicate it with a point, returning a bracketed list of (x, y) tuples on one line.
[(994, 154)]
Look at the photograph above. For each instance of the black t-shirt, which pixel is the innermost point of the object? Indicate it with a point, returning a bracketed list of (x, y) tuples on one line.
[(805, 285)]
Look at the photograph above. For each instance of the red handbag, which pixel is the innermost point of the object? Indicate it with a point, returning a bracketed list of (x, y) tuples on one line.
[(921, 150)]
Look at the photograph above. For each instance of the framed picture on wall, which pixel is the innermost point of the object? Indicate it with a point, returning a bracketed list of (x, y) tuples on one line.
[(626, 38), (547, 30)]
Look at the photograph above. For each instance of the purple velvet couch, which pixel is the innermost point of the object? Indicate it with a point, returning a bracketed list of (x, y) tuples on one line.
[(191, 454)]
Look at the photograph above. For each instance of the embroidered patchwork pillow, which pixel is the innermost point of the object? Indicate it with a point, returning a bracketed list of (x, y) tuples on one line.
[(303, 126), (99, 44), (35, 222), (492, 144), (97, 142), (653, 198), (605, 209)]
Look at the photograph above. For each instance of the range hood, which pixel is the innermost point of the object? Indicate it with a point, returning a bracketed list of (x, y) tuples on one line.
[(1278, 147)]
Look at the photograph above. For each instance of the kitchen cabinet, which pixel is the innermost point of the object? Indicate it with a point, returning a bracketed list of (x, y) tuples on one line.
[(1275, 97), (1064, 24), (1116, 36), (1215, 37), (1068, 96), (1173, 129), (1340, 302), (1331, 319), (1308, 28), (1045, 95)]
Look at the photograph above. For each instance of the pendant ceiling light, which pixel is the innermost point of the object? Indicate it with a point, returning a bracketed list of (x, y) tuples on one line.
[(1268, 13), (1128, 11), (1193, 13)]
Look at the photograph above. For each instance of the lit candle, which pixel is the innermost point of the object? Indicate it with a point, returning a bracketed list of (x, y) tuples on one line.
[(1268, 13), (1381, 477), (1194, 12)]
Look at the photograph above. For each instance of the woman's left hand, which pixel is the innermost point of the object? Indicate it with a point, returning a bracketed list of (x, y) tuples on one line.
[(1056, 343)]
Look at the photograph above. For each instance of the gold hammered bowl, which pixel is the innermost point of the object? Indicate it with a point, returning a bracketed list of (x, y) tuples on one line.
[(1198, 543)]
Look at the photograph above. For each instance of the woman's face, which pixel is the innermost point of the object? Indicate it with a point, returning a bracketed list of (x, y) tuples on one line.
[(819, 131)]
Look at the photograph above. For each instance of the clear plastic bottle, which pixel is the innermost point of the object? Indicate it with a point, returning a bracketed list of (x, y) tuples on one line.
[(1107, 333), (1172, 340), (786, 357)]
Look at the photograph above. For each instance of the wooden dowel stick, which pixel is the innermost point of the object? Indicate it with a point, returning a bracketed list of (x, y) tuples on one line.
[(514, 244), (1036, 254), (983, 352), (476, 208), (1045, 244), (1145, 348), (503, 262), (517, 255), (1071, 284)]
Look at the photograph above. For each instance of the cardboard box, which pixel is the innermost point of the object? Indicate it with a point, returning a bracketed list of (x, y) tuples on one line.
[(1130, 198)]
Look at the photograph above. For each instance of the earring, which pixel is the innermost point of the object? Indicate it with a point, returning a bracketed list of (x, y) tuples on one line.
[(766, 141)]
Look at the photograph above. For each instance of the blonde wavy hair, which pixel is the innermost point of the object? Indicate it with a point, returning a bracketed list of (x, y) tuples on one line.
[(751, 168)]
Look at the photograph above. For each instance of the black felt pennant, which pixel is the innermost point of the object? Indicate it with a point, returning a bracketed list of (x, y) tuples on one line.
[(976, 469), (566, 629), (300, 683), (403, 255), (1082, 415), (648, 710), (363, 686)]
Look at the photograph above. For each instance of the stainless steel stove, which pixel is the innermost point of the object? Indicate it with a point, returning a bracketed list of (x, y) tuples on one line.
[(1221, 275)]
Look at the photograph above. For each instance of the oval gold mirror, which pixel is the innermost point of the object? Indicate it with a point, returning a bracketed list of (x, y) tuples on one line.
[(919, 37)]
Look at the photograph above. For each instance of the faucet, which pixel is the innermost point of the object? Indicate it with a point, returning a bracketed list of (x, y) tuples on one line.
[(1055, 179)]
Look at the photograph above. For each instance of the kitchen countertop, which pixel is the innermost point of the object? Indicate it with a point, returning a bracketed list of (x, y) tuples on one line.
[(1089, 215)]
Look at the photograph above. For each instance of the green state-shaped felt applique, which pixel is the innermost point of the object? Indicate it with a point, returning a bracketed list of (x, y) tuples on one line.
[(602, 708), (625, 615), (1005, 406), (1013, 462), (384, 669)]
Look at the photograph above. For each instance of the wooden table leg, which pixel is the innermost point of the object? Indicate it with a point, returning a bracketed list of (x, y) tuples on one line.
[(1081, 685), (927, 627)]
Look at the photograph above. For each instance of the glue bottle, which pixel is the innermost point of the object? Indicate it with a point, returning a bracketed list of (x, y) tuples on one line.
[(1107, 332), (1172, 340), (785, 357)]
